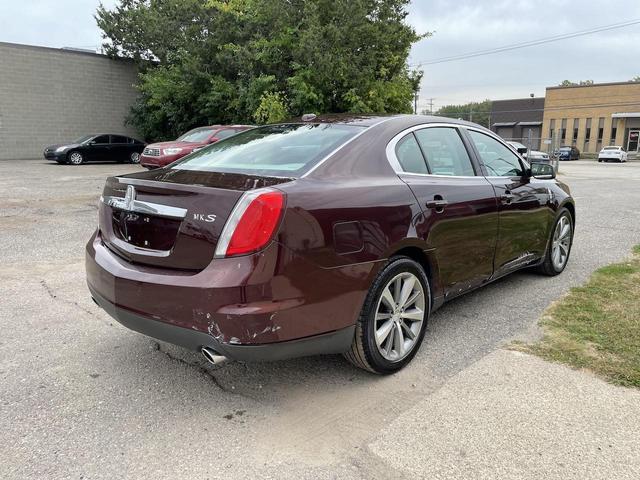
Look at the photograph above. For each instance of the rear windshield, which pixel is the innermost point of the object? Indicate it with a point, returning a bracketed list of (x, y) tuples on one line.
[(277, 150), (565, 149), (612, 148), (197, 135)]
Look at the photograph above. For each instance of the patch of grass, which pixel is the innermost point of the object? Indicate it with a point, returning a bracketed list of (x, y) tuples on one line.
[(597, 326)]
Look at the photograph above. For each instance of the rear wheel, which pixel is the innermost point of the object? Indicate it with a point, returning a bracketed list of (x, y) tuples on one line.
[(393, 319), (559, 247), (75, 158), (134, 157)]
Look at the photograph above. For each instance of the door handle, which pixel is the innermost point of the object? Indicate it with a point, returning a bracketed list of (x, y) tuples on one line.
[(507, 197), (438, 203)]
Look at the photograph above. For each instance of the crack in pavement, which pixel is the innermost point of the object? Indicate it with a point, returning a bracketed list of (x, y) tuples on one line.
[(202, 369), (53, 296)]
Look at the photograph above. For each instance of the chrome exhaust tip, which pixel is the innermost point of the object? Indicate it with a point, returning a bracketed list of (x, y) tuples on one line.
[(212, 356)]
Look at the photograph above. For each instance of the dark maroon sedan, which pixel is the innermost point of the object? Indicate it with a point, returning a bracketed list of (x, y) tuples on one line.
[(332, 235)]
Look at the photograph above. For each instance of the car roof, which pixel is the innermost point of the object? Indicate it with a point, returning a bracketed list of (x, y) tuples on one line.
[(369, 120), (223, 126)]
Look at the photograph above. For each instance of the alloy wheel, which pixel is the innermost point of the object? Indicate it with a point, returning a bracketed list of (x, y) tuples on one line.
[(135, 157), (561, 242), (399, 316), (75, 158)]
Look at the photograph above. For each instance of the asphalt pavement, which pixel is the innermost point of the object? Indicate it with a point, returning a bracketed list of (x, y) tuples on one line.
[(83, 397)]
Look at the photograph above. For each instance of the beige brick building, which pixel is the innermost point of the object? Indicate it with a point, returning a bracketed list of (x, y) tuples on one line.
[(592, 116)]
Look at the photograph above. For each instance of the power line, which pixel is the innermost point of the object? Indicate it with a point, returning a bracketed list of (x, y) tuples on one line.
[(548, 109), (530, 43)]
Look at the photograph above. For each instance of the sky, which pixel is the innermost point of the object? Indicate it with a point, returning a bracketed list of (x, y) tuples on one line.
[(458, 27)]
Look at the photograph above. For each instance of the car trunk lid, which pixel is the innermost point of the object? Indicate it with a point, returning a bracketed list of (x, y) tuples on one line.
[(171, 218)]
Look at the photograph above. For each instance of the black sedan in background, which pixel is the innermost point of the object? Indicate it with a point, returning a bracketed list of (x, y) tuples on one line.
[(568, 153), (102, 147)]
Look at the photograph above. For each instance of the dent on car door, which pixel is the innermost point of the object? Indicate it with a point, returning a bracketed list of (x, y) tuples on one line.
[(524, 205), (460, 219)]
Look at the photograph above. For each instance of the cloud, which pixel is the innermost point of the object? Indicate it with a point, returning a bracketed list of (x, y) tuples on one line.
[(460, 26), (468, 26)]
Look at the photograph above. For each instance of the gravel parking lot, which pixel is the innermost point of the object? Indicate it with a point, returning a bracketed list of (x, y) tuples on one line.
[(82, 397)]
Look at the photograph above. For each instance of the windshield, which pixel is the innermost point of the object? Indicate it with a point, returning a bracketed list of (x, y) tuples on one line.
[(565, 149), (197, 135), (611, 148), (285, 150), (83, 139)]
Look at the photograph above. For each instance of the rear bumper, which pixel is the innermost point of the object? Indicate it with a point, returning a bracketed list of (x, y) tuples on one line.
[(252, 307), (328, 343)]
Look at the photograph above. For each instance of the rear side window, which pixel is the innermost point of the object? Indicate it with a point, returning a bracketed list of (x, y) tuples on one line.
[(409, 155), (499, 160), (119, 139), (288, 149), (445, 152)]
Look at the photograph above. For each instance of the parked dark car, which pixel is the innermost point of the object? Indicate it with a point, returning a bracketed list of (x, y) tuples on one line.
[(568, 153), (161, 154), (333, 235), (101, 147)]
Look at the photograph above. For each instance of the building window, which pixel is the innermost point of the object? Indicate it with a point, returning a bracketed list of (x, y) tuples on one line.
[(600, 132), (552, 127), (575, 134), (563, 134), (587, 136), (614, 134)]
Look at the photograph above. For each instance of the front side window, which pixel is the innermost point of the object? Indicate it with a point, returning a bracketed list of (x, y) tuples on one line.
[(101, 139), (445, 152), (409, 155), (287, 150), (498, 159)]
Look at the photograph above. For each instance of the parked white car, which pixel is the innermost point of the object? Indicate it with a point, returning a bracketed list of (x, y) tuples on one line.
[(615, 153), (531, 156)]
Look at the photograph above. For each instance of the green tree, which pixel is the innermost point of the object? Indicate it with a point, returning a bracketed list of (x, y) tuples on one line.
[(478, 112), (220, 61)]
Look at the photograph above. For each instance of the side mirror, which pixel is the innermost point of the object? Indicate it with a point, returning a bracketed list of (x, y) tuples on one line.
[(213, 140), (92, 142), (522, 151), (543, 171)]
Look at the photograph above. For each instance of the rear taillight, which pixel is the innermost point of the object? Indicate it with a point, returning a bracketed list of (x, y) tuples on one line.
[(252, 223)]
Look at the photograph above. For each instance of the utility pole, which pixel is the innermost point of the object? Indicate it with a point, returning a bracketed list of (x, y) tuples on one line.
[(430, 103), (415, 103), (471, 114)]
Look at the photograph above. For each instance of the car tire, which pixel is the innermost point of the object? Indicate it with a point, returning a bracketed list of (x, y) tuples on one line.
[(75, 158), (404, 324), (552, 265), (134, 157)]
